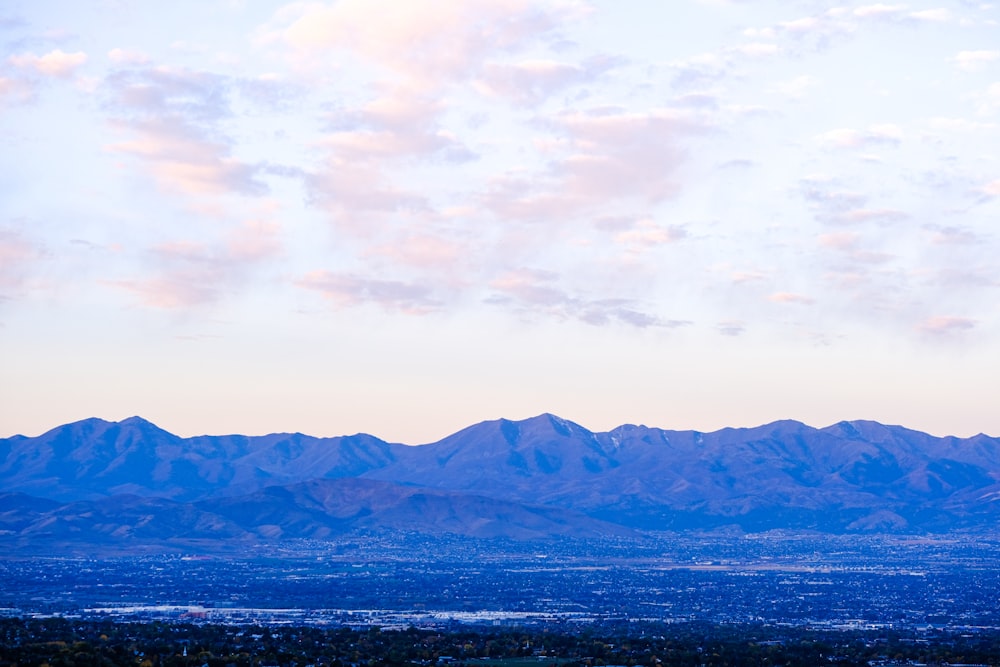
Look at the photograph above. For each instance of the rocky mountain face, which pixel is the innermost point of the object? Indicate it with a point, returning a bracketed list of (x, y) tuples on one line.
[(539, 477)]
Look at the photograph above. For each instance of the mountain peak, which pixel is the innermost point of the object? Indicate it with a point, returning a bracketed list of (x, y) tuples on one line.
[(138, 421)]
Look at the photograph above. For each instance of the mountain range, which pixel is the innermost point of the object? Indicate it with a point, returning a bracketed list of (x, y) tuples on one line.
[(95, 481)]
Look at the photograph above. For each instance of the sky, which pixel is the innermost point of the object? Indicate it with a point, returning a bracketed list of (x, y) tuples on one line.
[(406, 217)]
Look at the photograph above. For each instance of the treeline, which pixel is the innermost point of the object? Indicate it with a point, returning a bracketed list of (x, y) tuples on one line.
[(60, 642)]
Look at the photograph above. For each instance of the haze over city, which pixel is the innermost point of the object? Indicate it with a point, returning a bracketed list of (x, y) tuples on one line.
[(405, 217)]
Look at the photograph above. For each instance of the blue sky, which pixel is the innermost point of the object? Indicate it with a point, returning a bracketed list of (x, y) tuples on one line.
[(406, 217)]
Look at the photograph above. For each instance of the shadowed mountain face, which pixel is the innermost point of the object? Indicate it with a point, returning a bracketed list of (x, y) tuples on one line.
[(530, 478), (318, 509)]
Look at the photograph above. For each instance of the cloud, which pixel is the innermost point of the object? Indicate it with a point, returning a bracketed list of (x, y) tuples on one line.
[(16, 253), (620, 155), (991, 189), (359, 197), (55, 63), (841, 22), (198, 97), (425, 251), (700, 70), (173, 116), (128, 57), (795, 88), (946, 325), (183, 160), (972, 61), (792, 298), (189, 274), (430, 44), (531, 82), (878, 11), (747, 277), (731, 327), (850, 245), (535, 292), (886, 133), (350, 289), (756, 49), (939, 15), (988, 100), (844, 207), (607, 159), (951, 235), (646, 234), (16, 91)]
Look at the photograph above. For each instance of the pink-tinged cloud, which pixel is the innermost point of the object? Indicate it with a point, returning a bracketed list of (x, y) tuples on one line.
[(55, 63), (647, 234), (849, 245), (253, 241), (16, 253), (424, 251), (870, 214), (357, 184), (992, 189), (842, 207), (429, 43), (172, 115), (183, 160), (15, 91), (181, 290), (747, 277), (533, 293), (951, 235), (792, 298), (879, 10), (624, 155), (840, 241), (359, 197), (944, 325), (350, 289), (188, 274), (530, 82)]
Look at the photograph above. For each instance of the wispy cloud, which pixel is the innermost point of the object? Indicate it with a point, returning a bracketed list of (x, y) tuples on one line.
[(834, 205), (946, 325), (172, 115), (534, 292), (17, 253), (731, 327), (128, 57), (887, 133), (531, 82), (345, 289), (188, 274), (972, 61), (791, 298), (55, 63)]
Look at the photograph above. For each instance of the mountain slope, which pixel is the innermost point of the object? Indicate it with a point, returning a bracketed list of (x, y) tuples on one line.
[(93, 458), (319, 509), (850, 476)]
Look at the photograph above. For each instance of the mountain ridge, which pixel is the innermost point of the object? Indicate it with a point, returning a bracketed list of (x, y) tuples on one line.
[(851, 476)]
